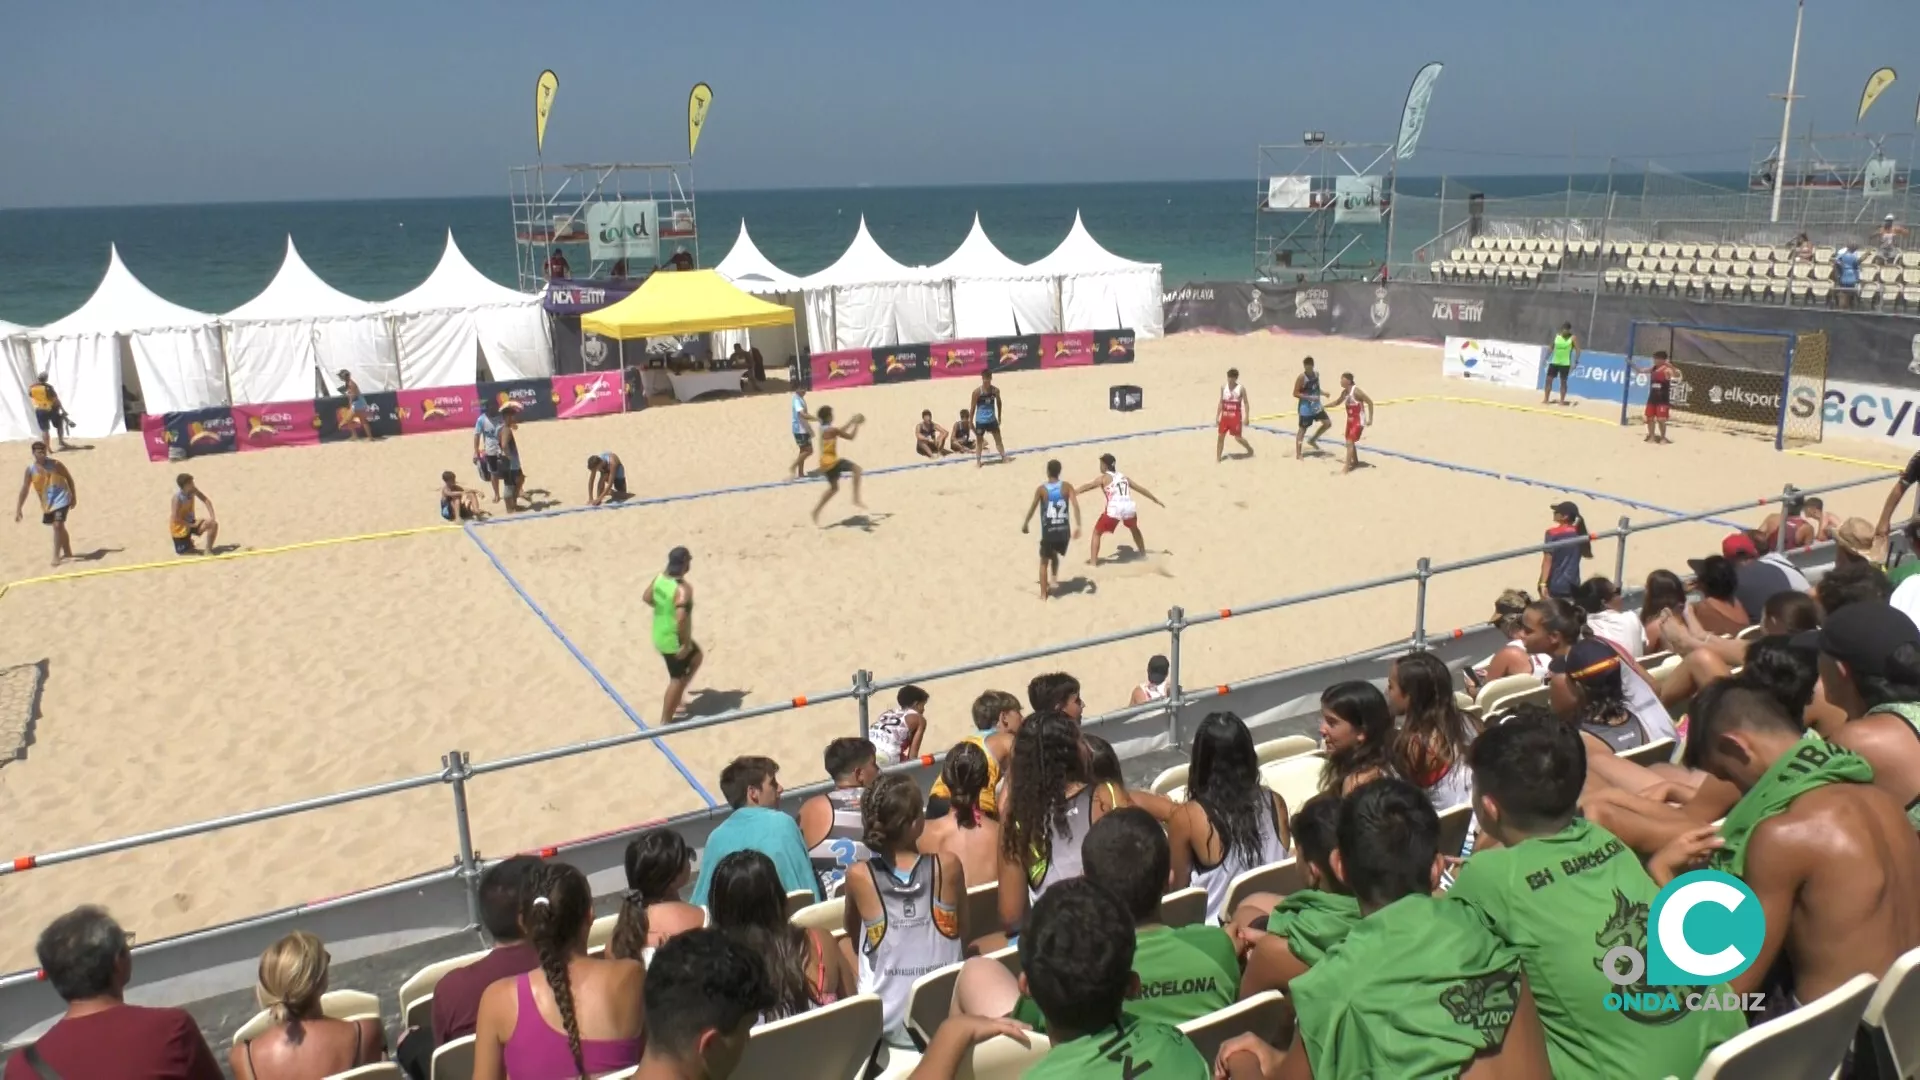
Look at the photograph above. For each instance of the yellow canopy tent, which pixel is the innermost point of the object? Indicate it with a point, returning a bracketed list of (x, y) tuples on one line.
[(684, 302)]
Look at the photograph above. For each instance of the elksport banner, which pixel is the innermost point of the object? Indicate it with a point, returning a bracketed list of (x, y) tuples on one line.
[(1864, 347)]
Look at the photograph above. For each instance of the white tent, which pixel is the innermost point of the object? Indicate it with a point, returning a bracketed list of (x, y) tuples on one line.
[(752, 272), (300, 326), (1100, 290), (175, 353), (993, 296), (16, 375), (441, 327), (868, 300)]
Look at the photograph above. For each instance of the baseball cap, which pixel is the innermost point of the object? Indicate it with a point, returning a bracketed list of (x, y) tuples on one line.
[(1739, 545), (678, 560), (1889, 217), (1565, 509), (1589, 658), (1864, 636), (1510, 605)]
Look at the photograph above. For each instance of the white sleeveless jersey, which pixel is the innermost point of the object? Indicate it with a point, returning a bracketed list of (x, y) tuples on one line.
[(907, 941), (1216, 880), (1233, 397), (1119, 497)]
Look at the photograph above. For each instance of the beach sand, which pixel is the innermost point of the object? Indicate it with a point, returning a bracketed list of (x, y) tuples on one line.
[(172, 695)]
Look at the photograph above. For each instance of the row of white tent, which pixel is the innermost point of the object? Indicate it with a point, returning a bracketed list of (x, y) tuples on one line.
[(272, 348), (868, 299)]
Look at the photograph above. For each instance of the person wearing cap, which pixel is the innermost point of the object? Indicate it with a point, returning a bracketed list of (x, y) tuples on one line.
[(1598, 704), (1870, 669), (671, 597), (1833, 860), (1560, 564), (1553, 626), (1854, 543), (1513, 658), (1155, 688), (1607, 616), (359, 412)]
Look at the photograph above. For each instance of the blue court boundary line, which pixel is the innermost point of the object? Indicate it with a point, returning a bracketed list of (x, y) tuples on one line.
[(657, 744), (769, 485), (1376, 448)]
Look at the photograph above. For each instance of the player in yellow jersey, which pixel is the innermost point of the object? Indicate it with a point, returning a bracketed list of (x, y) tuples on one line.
[(832, 465)]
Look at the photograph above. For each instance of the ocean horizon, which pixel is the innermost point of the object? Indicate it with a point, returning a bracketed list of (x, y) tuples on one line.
[(213, 257)]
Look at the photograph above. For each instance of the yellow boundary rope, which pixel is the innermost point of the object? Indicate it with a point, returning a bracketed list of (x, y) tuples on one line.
[(1881, 465), (254, 553)]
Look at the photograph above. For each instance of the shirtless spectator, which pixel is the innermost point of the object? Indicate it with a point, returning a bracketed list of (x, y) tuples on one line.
[(929, 438), (1608, 617), (84, 955), (1824, 524), (1832, 859), (1513, 657), (966, 830), (1718, 610), (1870, 669)]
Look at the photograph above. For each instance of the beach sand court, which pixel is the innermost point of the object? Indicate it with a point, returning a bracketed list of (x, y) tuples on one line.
[(167, 696)]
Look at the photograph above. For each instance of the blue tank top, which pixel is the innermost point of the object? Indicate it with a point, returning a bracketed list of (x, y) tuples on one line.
[(1310, 384), (1053, 511), (989, 409)]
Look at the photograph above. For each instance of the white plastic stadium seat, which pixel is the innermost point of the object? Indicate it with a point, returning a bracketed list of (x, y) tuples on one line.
[(601, 932), (1265, 1014), (1174, 777), (1294, 779), (1284, 747), (1281, 878), (825, 916), (1810, 1041), (1799, 291), (832, 1042), (797, 899), (1500, 690), (982, 914), (416, 994), (335, 1004), (1454, 823), (1910, 258), (1186, 907), (1001, 1058), (1657, 750), (454, 1060), (379, 1070), (929, 1001), (1893, 1019)]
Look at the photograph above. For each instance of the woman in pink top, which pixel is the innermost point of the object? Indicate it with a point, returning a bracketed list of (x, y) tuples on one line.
[(582, 1016)]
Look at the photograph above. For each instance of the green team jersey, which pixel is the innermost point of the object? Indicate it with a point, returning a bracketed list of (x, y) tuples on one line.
[(666, 621), (1185, 973), (1133, 1049), (1904, 571), (1313, 922), (1417, 989), (1562, 351), (1562, 902)]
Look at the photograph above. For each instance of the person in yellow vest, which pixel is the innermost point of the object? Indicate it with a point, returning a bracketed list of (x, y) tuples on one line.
[(48, 414), (832, 465), (58, 496)]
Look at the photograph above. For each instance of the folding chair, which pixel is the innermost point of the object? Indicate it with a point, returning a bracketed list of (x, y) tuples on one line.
[(1264, 1014), (454, 1060), (798, 899), (1280, 878), (1810, 1041), (1892, 1019), (1295, 779), (379, 1070), (334, 1004), (833, 1042), (1282, 748), (1455, 821), (416, 994), (1187, 907), (1657, 750), (825, 916), (983, 911), (1505, 687)]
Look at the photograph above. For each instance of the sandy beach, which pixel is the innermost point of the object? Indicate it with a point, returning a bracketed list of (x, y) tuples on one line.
[(177, 694)]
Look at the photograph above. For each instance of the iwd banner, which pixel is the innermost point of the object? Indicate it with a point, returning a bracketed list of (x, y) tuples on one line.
[(593, 394)]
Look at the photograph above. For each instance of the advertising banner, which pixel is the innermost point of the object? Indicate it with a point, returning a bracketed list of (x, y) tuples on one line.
[(839, 370), (1881, 413), (566, 297), (281, 423), (1598, 377), (957, 359), (593, 394), (1113, 346), (623, 229), (1073, 349), (534, 396), (153, 432), (333, 414), (1357, 200), (900, 363), (200, 432), (1014, 353), (450, 408), (1289, 193), (1503, 363), (1724, 394)]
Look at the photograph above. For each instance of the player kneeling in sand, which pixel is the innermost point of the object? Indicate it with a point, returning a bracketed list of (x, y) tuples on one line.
[(1120, 509), (182, 523), (832, 465), (1230, 415), (1059, 524), (606, 479), (1359, 417)]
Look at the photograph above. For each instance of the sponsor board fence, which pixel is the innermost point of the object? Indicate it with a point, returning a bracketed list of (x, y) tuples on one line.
[(848, 368), (424, 900)]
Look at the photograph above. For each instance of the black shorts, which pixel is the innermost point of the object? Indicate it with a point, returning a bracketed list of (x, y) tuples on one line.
[(620, 482), (679, 667), (1557, 372), (1307, 420), (1054, 544), (835, 471), (986, 429), (493, 467), (803, 441), (47, 419), (54, 517)]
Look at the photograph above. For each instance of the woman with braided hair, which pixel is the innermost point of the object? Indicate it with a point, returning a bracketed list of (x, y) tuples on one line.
[(903, 907), (749, 905), (1051, 803), (579, 1016), (659, 867), (302, 1044)]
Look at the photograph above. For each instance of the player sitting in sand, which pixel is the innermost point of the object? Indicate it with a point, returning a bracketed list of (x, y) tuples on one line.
[(606, 479), (1306, 391), (987, 410), (456, 502), (1120, 509), (1059, 524), (832, 465), (1359, 417), (1230, 415), (929, 438), (182, 523), (961, 437)]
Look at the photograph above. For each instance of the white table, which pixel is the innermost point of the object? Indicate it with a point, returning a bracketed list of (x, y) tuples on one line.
[(692, 384)]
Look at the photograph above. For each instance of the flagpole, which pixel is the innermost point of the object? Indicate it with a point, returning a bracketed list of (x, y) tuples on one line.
[(1786, 117)]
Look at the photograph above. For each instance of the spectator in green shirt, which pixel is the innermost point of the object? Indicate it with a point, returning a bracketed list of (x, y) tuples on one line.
[(1563, 892), (1300, 929)]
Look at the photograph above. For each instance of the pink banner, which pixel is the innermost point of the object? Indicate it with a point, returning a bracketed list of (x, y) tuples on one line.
[(957, 359), (1066, 350), (282, 423), (153, 431), (449, 408), (839, 370), (592, 394)]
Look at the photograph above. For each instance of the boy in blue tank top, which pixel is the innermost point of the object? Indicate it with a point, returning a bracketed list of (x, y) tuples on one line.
[(1059, 524)]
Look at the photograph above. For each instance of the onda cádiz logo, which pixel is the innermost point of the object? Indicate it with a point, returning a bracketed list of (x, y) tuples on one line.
[(1703, 929)]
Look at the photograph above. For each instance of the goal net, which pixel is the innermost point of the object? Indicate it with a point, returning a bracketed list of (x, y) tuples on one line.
[(1767, 383)]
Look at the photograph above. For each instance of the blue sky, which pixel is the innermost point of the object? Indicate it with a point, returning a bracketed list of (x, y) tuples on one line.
[(216, 100)]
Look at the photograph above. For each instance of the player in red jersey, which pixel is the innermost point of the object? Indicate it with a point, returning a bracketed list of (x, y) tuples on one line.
[(1359, 417), (1230, 415)]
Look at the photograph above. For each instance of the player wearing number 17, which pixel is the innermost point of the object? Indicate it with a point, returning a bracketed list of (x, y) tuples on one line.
[(1059, 523), (1120, 507)]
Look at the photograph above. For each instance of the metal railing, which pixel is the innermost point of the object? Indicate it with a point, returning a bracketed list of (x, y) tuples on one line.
[(457, 769)]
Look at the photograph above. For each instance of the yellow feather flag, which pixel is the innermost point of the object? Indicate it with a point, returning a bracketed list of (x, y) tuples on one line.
[(697, 102), (543, 90), (1876, 82)]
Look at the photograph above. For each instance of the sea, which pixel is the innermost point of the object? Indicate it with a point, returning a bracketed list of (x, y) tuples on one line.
[(214, 257)]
